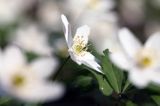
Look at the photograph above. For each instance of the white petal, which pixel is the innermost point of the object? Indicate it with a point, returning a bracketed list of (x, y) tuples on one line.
[(44, 67), (121, 60), (13, 58), (154, 42), (1, 61), (129, 42), (140, 78), (83, 32), (68, 35), (40, 92), (74, 57), (89, 60)]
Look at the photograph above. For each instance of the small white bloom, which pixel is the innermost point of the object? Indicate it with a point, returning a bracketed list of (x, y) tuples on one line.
[(142, 62), (78, 45), (49, 14), (28, 81), (32, 39), (80, 7), (11, 9)]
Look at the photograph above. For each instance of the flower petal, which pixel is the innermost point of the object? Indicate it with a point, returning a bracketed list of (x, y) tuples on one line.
[(40, 92), (140, 78), (89, 60), (121, 60), (13, 58), (153, 42), (129, 42), (68, 35), (83, 32), (44, 67)]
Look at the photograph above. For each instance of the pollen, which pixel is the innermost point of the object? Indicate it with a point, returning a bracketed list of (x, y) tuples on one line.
[(18, 80), (79, 45)]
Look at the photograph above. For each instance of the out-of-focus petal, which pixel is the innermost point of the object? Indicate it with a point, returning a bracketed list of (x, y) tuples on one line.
[(153, 42), (129, 42), (13, 58), (40, 92), (121, 60), (140, 78), (44, 67)]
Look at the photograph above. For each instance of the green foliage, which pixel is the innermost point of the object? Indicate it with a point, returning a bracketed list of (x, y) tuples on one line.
[(156, 99), (113, 74)]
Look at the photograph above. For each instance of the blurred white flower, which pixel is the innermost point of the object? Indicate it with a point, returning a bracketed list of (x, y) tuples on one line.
[(77, 46), (28, 81), (49, 14), (31, 38), (11, 9), (79, 7), (142, 62), (104, 27)]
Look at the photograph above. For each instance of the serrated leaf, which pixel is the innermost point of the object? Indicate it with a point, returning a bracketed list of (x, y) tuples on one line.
[(111, 73), (156, 99)]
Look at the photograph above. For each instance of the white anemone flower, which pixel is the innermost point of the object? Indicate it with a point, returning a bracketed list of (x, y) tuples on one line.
[(77, 46), (28, 81), (49, 14), (10, 10), (142, 62), (32, 39)]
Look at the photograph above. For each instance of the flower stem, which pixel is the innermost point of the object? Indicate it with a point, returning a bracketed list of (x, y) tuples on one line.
[(60, 69)]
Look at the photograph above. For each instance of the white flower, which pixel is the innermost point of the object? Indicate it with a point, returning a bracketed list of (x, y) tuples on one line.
[(78, 45), (28, 81), (142, 62), (49, 14), (104, 27), (80, 7), (11, 9), (32, 39)]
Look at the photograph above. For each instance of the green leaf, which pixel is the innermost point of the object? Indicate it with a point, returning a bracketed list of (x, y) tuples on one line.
[(156, 99), (120, 77), (126, 86), (130, 103), (155, 88), (103, 84), (113, 74), (83, 81)]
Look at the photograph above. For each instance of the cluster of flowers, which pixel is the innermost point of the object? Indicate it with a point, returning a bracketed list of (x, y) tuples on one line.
[(28, 80), (142, 63)]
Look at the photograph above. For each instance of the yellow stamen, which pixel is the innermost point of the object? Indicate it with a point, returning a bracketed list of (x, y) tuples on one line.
[(145, 62), (18, 80)]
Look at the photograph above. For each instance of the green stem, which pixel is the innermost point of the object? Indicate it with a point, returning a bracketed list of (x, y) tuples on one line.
[(60, 69)]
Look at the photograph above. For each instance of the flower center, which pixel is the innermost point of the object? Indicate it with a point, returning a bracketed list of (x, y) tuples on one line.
[(145, 62), (93, 4), (18, 80), (79, 45), (78, 48)]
